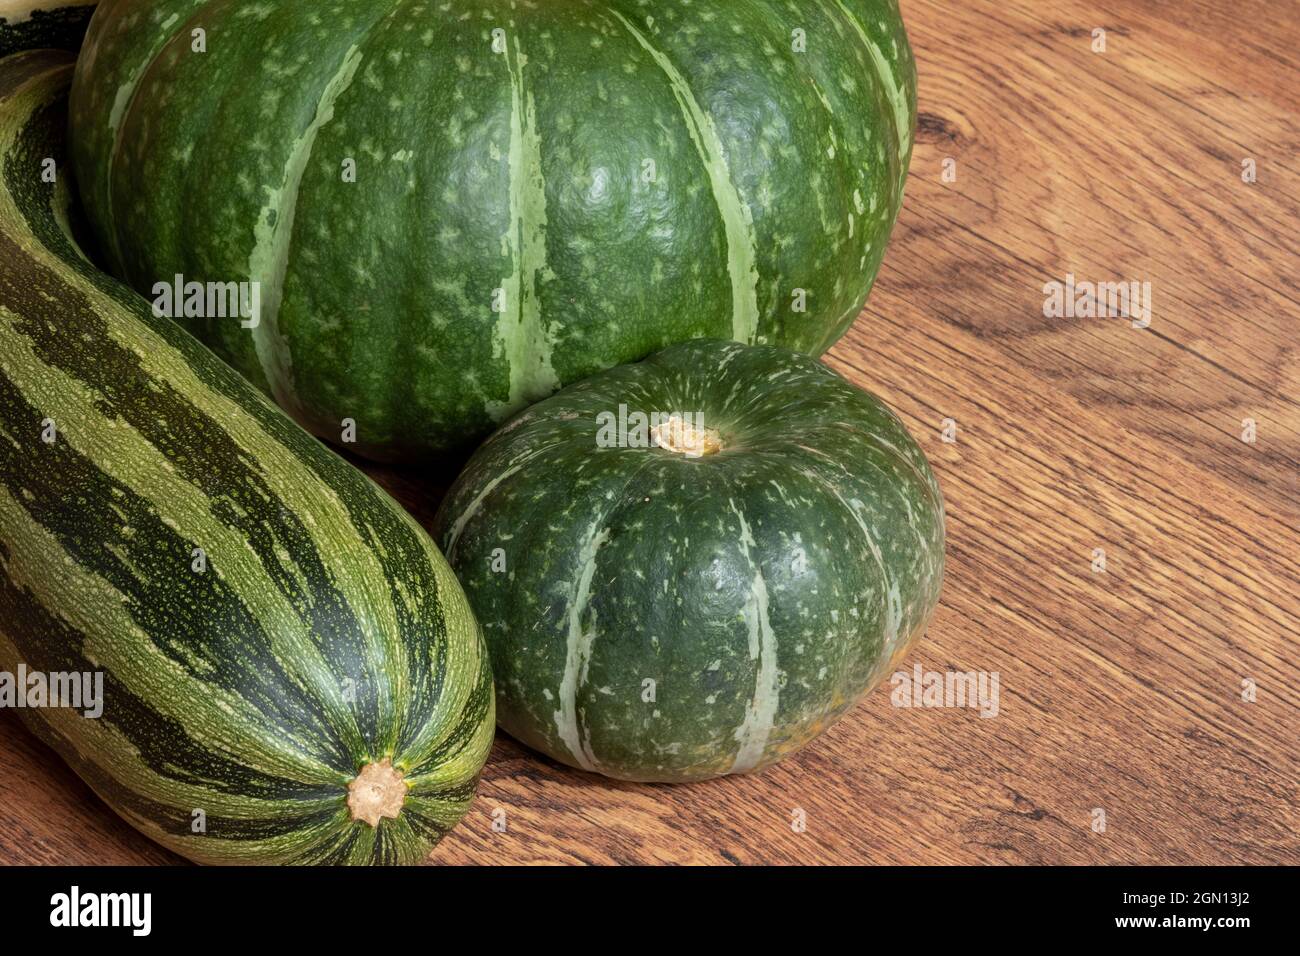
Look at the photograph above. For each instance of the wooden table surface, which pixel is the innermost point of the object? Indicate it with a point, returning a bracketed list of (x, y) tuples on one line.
[(1162, 691)]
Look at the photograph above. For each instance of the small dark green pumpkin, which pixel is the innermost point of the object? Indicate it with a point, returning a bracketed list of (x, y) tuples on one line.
[(708, 604)]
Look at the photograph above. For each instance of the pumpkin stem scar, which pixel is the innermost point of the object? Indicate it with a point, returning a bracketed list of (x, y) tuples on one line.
[(685, 438), (378, 791)]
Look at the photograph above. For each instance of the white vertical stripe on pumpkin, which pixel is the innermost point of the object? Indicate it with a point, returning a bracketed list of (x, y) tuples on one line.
[(122, 99), (269, 260), (888, 588), (578, 649), (521, 335), (760, 715), (737, 219), (889, 81)]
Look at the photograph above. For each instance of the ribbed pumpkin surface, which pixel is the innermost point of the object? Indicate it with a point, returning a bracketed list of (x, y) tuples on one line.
[(452, 209), (657, 616)]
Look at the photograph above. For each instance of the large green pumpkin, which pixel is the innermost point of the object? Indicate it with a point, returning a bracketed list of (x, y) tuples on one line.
[(454, 209), (708, 604)]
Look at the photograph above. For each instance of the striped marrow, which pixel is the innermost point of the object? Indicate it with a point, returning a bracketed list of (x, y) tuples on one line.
[(291, 674), (455, 209), (701, 595)]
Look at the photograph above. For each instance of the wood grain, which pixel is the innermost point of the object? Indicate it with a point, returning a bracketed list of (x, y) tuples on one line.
[(1121, 691)]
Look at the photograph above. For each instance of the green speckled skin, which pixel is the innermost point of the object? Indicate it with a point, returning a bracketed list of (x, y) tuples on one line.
[(762, 589), (542, 190)]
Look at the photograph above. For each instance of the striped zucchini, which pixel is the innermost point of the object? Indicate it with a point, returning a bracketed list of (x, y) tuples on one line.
[(291, 674)]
